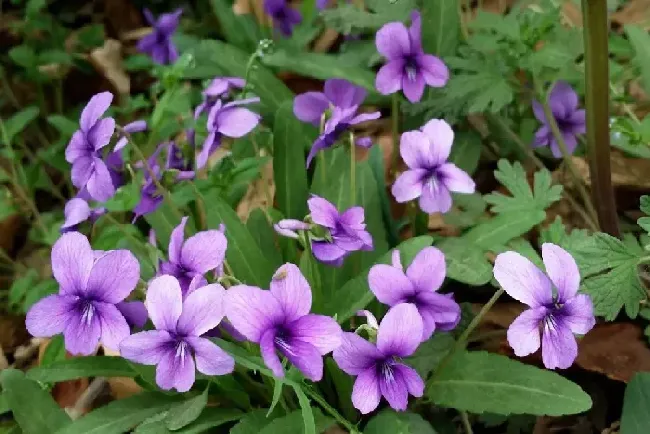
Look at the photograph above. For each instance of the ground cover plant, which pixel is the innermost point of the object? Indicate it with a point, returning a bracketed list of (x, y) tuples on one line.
[(379, 216)]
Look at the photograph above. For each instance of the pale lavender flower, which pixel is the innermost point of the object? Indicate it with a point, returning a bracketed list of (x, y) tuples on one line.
[(158, 44), (230, 120), (279, 320), (379, 369), (91, 284), (288, 227), (556, 311), (418, 286), (430, 177), (563, 101), (408, 68), (284, 16), (176, 344), (347, 231), (339, 102), (131, 127), (89, 171), (199, 254), (77, 211), (371, 320), (219, 87)]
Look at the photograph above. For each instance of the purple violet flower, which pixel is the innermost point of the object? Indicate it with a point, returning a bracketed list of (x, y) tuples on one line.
[(288, 227), (89, 171), (556, 308), (417, 286), (284, 16), (176, 344), (230, 120), (199, 254), (341, 100), (571, 121), (379, 369), (430, 177), (347, 231), (408, 68), (158, 44), (85, 309), (131, 127), (76, 211), (279, 320), (218, 88), (134, 312)]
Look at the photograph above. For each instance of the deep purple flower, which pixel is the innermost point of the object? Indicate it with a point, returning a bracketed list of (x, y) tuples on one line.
[(279, 320), (288, 227), (340, 101), (230, 120), (176, 344), (158, 44), (199, 254), (346, 230), (77, 211), (563, 102), (284, 16), (408, 68), (556, 308), (418, 286), (89, 171), (430, 177), (379, 369), (84, 309), (134, 312)]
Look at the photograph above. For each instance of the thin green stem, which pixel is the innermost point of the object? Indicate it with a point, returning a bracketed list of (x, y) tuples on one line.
[(353, 175), (462, 340), (58, 96), (395, 126), (596, 37), (466, 424), (559, 138), (200, 208), (331, 410), (530, 153)]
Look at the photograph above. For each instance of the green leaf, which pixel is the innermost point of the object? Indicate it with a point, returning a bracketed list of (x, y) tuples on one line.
[(240, 30), (122, 415), (63, 125), (483, 382), (252, 422), (71, 369), (293, 423), (355, 294), (211, 417), (644, 222), (33, 408), (186, 412), (262, 231), (440, 27), (513, 176), (465, 263), (24, 55), (503, 228), (392, 422), (20, 287), (640, 40), (636, 418), (4, 406), (349, 18), (306, 412), (429, 354), (277, 394), (54, 351), (248, 262), (608, 267), (232, 62), (125, 198), (18, 122), (466, 151), (321, 66), (290, 139)]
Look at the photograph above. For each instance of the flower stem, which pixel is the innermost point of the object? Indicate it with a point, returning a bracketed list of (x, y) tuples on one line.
[(200, 208), (548, 114), (331, 410), (466, 424), (120, 228), (395, 118), (596, 34), (353, 175)]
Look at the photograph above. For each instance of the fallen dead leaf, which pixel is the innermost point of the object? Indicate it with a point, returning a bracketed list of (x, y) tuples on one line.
[(633, 12), (325, 41), (121, 17), (107, 60), (629, 173), (260, 193), (121, 387)]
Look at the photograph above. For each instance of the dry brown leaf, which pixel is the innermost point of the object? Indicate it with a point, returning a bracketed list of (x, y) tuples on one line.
[(121, 387), (121, 16), (260, 193), (629, 173), (325, 41), (107, 60), (633, 12)]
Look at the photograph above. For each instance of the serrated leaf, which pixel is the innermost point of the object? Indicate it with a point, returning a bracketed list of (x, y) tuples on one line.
[(481, 382), (290, 139), (636, 418), (392, 422), (513, 177), (440, 27), (429, 354), (466, 151), (33, 408), (465, 263), (608, 267), (503, 228)]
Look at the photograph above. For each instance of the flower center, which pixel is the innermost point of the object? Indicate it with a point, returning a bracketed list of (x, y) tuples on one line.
[(87, 312), (282, 342), (411, 68), (386, 370)]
